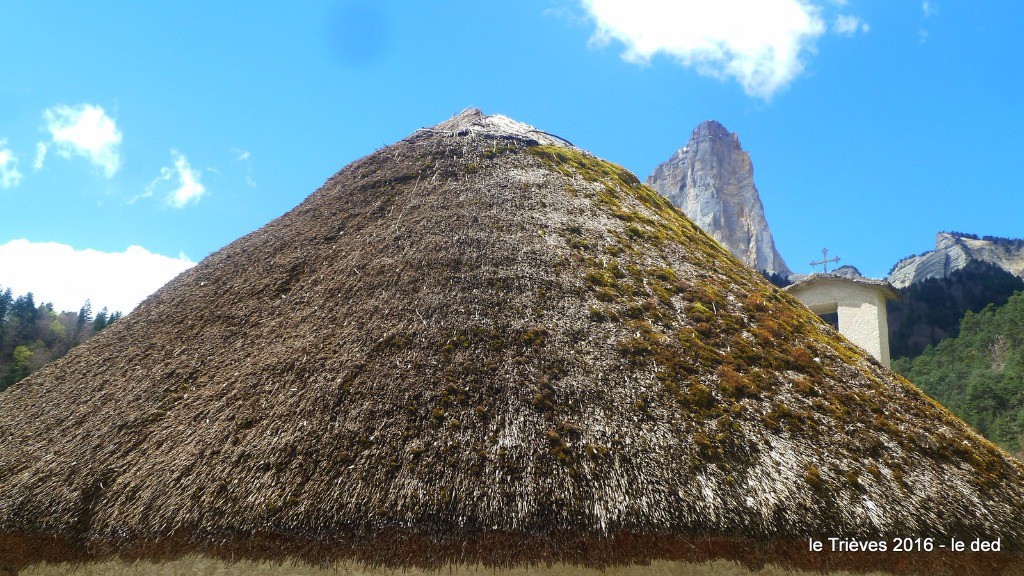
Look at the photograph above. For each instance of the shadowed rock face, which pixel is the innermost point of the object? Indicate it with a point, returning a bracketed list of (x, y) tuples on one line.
[(953, 252), (712, 180), (484, 346)]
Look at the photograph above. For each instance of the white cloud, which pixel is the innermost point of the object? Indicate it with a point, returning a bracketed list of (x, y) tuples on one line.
[(9, 174), (246, 157), (85, 130), (848, 25), (41, 149), (760, 44), (927, 10), (179, 183), (61, 274)]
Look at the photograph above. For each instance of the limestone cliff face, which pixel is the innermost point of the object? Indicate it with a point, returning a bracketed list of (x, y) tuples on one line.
[(953, 252), (712, 180)]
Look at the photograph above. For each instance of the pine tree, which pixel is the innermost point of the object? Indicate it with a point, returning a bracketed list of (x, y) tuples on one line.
[(24, 314), (31, 336), (979, 375), (84, 317), (5, 304), (101, 320)]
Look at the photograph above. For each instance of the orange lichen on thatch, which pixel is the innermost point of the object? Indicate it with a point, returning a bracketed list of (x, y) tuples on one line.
[(482, 345)]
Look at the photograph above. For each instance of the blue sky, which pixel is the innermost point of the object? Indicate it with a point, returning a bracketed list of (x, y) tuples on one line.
[(175, 128)]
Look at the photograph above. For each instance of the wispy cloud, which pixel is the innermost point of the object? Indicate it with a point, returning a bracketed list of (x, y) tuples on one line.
[(568, 15), (762, 45), (246, 158), (41, 149), (124, 278), (928, 9), (85, 130), (9, 174), (179, 183), (848, 25)]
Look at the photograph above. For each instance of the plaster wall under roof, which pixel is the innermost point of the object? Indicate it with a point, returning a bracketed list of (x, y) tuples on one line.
[(860, 305)]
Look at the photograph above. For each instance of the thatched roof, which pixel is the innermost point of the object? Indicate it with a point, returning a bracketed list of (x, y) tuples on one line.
[(483, 345)]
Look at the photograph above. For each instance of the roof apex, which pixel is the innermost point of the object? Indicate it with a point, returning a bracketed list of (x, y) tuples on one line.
[(887, 289), (474, 121)]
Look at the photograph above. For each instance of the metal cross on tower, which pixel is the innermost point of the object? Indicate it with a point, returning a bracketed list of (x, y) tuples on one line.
[(825, 260)]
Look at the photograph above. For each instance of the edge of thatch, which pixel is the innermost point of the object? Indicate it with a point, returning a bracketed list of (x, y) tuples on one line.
[(496, 551)]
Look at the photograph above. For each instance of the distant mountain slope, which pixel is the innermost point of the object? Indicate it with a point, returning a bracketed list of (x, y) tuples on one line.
[(979, 375), (712, 180), (953, 251), (930, 310)]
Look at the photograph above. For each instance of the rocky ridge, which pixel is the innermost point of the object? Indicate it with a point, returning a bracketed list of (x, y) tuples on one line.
[(954, 251), (712, 180)]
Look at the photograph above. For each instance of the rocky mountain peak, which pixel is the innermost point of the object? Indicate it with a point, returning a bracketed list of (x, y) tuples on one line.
[(713, 129), (954, 251), (712, 180), (847, 271)]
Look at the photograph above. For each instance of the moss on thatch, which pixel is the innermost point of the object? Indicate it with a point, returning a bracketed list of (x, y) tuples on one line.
[(481, 345)]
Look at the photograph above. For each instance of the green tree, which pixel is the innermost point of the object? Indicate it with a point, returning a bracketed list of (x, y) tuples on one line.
[(31, 335), (100, 322), (5, 303), (84, 317), (24, 315), (6, 299), (21, 367), (979, 375)]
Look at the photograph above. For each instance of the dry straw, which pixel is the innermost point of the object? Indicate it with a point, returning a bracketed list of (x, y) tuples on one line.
[(482, 345)]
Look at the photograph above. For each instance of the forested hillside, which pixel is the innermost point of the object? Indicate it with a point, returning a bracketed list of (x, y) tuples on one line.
[(979, 375), (32, 335), (930, 311)]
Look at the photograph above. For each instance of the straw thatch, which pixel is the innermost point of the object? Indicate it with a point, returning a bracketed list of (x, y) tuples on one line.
[(482, 345), (201, 566)]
